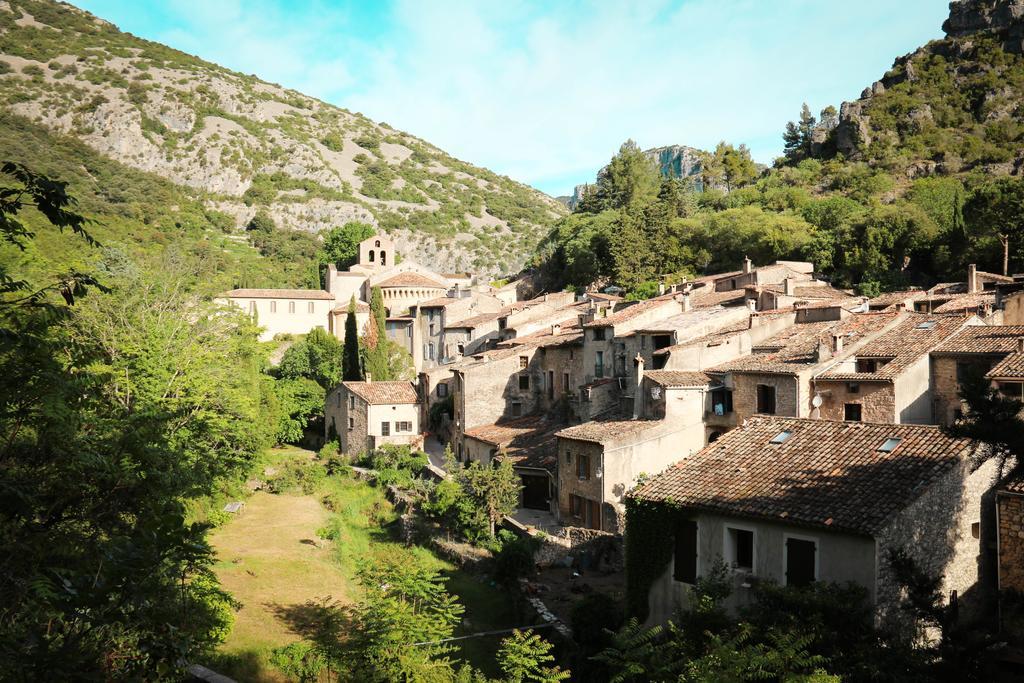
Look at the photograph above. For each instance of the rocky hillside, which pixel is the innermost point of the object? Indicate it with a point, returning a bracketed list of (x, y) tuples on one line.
[(240, 145), (673, 161), (952, 107)]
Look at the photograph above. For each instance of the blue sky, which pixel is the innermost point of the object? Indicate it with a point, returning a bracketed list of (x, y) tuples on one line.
[(546, 91)]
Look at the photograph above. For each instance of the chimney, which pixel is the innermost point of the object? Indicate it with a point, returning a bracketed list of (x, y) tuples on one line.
[(556, 329), (747, 265), (752, 305), (972, 279), (789, 286), (824, 353), (684, 302), (755, 320), (837, 344), (661, 288), (332, 272), (638, 397), (369, 378), (1020, 344)]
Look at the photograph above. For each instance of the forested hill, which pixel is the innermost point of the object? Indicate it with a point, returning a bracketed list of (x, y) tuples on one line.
[(906, 185), (233, 145)]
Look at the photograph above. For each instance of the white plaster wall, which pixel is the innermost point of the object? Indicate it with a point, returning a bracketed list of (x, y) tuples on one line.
[(302, 321)]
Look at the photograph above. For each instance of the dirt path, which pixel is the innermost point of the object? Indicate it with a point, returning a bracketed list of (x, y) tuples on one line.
[(269, 561)]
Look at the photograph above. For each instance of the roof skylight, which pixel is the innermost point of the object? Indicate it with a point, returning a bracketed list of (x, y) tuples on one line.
[(926, 325), (781, 437), (890, 445)]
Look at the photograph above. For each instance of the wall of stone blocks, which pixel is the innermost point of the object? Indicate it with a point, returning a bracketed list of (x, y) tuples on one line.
[(877, 400), (1011, 542), (744, 394)]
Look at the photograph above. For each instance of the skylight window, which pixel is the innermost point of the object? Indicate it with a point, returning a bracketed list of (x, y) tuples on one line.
[(890, 445), (781, 437), (926, 325)]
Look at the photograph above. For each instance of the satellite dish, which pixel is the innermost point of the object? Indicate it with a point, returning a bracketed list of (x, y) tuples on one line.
[(816, 401)]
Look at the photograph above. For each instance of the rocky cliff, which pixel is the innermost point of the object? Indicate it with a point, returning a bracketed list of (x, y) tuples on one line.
[(673, 161), (952, 106), (244, 145)]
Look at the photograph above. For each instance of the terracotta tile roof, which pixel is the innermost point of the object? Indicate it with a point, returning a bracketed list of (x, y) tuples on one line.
[(629, 312), (795, 348), (439, 302), (825, 474), (526, 441), (678, 378), (360, 308), (989, 339), (477, 320), (384, 393), (411, 280), (891, 298), (279, 294), (902, 345), (608, 430), (1013, 484), (1011, 367), (948, 288), (967, 302), (601, 296), (808, 292), (713, 298)]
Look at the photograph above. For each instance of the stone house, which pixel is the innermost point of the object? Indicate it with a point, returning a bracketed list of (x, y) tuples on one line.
[(797, 501), (975, 349), (600, 460), (432, 320), (901, 300), (367, 415), (775, 378), (774, 274), (283, 311), (888, 379), (725, 344), (530, 444), (1010, 538)]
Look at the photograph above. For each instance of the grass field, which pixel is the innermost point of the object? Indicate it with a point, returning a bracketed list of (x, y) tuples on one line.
[(271, 559)]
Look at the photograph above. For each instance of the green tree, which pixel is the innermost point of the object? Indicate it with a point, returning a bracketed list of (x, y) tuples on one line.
[(341, 245), (301, 406), (797, 137), (525, 657), (629, 182), (383, 359), (996, 211), (494, 490), (352, 369), (317, 357)]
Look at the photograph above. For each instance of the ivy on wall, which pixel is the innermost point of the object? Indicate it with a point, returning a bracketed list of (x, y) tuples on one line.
[(650, 541)]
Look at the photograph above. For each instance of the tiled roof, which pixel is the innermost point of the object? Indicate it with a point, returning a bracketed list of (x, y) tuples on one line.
[(983, 339), (891, 298), (967, 302), (678, 378), (628, 313), (949, 288), (825, 474), (601, 296), (1013, 484), (526, 441), (279, 294), (902, 345), (360, 308), (1011, 367), (477, 320), (796, 348), (439, 302), (605, 431), (808, 292), (384, 393), (411, 280)]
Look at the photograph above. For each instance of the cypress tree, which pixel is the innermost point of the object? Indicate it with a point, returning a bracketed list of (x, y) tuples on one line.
[(377, 309), (351, 367)]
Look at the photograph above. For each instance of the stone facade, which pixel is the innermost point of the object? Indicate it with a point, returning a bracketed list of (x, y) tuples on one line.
[(876, 399), (744, 393), (1011, 541), (359, 425)]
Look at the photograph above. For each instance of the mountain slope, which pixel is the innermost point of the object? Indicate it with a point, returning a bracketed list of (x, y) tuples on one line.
[(241, 145)]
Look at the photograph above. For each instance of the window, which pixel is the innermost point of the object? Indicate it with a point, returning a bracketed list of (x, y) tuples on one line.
[(568, 457), (643, 341), (599, 365), (781, 437), (551, 384), (385, 429), (352, 402), (524, 382), (865, 365), (969, 371), (310, 308), (523, 362), (502, 323), (442, 390), (976, 530), (517, 409), (273, 307), (766, 399), (926, 325), (433, 329), (430, 350), (801, 561), (252, 306), (291, 306), (585, 510), (383, 257), (851, 412), (890, 445), (376, 243), (373, 255), (853, 387), (565, 383), (599, 334), (685, 566), (461, 348), (351, 423), (739, 548), (721, 401), (403, 426), (582, 467)]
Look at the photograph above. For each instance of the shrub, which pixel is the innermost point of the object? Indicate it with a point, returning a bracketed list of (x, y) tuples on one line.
[(515, 558), (302, 474)]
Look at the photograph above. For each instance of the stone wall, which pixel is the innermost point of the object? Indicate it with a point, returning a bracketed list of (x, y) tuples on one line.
[(569, 451), (877, 400), (945, 389), (744, 394), (1011, 541)]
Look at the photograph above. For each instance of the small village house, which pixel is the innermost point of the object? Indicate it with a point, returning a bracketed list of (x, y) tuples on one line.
[(367, 415)]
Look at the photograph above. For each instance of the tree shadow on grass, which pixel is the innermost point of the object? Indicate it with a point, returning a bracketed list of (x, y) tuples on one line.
[(309, 619)]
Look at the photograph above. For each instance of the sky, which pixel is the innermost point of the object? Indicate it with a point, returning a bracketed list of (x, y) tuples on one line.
[(545, 92)]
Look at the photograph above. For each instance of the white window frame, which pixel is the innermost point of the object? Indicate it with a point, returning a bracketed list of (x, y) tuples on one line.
[(785, 554), (730, 550)]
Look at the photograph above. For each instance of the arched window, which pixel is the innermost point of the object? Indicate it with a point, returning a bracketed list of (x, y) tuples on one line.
[(383, 257), (377, 243), (371, 255)]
